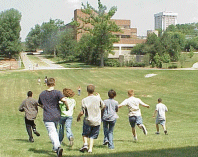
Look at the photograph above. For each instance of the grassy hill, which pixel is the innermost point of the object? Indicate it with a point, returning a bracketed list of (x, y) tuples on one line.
[(178, 89)]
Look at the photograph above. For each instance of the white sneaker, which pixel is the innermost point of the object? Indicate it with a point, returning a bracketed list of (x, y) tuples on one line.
[(89, 151), (135, 138), (144, 129)]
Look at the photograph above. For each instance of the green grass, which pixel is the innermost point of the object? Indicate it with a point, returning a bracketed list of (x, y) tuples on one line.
[(35, 60), (178, 89)]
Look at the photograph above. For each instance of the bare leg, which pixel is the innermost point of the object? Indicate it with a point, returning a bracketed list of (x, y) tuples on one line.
[(85, 139), (91, 142), (164, 127), (157, 127)]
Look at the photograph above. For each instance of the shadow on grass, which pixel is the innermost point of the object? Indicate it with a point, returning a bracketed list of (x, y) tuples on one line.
[(171, 152), (22, 140), (47, 152)]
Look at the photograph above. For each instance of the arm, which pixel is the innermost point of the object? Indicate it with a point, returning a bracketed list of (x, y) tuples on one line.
[(143, 104), (116, 108), (79, 116), (64, 100), (21, 107), (154, 114), (124, 103)]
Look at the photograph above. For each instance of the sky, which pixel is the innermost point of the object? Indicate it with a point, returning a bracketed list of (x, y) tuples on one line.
[(140, 12)]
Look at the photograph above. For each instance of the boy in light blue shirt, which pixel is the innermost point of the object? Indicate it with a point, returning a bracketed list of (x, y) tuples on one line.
[(109, 118)]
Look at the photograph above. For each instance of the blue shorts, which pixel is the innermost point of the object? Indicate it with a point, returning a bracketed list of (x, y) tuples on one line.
[(135, 120), (90, 131), (162, 122)]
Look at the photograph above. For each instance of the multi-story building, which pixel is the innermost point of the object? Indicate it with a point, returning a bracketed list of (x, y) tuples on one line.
[(164, 19), (128, 36)]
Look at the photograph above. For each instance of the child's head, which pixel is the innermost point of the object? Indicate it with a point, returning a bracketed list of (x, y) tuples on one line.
[(68, 92), (90, 89), (50, 82), (159, 100), (130, 93), (29, 93), (111, 93)]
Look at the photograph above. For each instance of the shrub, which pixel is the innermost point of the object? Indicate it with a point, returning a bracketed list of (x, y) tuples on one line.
[(112, 63), (172, 66)]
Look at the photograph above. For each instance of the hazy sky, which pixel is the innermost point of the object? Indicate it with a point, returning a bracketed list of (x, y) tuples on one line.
[(140, 12)]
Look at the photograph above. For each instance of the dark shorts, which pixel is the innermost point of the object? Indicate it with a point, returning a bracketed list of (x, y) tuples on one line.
[(135, 120), (90, 131)]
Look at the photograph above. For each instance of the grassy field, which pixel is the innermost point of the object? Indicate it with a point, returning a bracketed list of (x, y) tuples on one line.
[(178, 89)]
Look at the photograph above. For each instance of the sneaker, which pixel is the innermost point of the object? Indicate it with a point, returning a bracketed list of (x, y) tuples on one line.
[(31, 140), (71, 141), (135, 138), (144, 129), (166, 133), (84, 148), (89, 151), (60, 152), (157, 133), (106, 142), (35, 132)]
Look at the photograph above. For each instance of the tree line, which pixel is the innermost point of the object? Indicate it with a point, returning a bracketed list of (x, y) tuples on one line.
[(167, 46)]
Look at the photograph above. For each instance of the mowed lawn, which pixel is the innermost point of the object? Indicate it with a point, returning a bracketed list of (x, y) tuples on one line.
[(178, 89)]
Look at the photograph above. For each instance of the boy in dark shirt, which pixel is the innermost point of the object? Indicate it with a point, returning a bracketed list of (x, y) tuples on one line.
[(51, 112), (30, 107)]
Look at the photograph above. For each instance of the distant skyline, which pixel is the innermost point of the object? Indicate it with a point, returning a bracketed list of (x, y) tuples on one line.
[(140, 12)]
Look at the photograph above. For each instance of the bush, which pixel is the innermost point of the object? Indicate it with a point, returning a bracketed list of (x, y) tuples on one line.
[(112, 63), (138, 64), (172, 66)]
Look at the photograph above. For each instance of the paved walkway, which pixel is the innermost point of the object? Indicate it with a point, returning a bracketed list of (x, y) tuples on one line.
[(29, 65)]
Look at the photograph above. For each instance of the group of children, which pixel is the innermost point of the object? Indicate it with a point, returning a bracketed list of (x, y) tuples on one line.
[(58, 110)]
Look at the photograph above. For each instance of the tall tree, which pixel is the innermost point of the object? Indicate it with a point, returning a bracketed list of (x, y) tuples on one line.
[(33, 39), (66, 44), (49, 35), (101, 29), (10, 42)]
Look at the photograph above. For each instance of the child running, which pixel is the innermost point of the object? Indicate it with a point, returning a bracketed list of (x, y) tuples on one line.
[(160, 109), (91, 107), (30, 107), (66, 116), (134, 112), (109, 118)]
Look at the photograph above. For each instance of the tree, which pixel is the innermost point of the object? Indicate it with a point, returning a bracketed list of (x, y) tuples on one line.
[(101, 30), (10, 28), (33, 39), (49, 35), (66, 44)]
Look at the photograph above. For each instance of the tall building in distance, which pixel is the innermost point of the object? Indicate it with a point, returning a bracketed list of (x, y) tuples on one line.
[(164, 19)]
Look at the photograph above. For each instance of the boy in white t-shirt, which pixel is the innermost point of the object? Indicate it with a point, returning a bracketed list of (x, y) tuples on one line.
[(135, 117), (91, 108), (161, 118), (66, 116)]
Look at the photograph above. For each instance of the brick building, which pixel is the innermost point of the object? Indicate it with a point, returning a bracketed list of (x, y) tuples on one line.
[(128, 36)]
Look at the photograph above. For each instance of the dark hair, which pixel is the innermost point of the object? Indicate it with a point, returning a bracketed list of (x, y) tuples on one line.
[(29, 93), (111, 93), (51, 82), (90, 88), (68, 92), (159, 100)]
